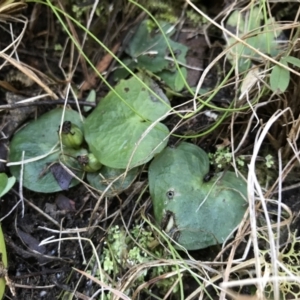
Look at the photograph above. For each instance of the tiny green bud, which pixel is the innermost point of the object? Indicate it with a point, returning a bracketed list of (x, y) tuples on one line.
[(71, 135), (89, 162)]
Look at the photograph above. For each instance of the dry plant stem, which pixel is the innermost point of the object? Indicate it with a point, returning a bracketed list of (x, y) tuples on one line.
[(256, 281), (207, 280), (7, 86), (140, 189), (288, 188), (292, 33), (9, 7), (252, 183), (81, 249), (237, 296), (244, 265), (279, 201), (21, 184), (88, 25), (92, 218), (68, 89), (172, 287), (135, 272), (241, 232), (34, 286), (273, 249), (127, 37), (27, 101), (75, 36), (68, 231), (15, 43), (246, 134), (127, 226), (266, 57), (44, 102), (123, 205), (101, 66), (244, 224), (52, 150), (152, 281), (32, 24), (245, 231), (12, 209), (38, 210), (288, 167), (252, 212), (29, 73), (181, 21), (8, 282), (45, 242), (68, 75), (59, 237), (128, 24), (104, 286)]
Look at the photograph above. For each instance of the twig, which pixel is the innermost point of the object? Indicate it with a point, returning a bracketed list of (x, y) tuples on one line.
[(45, 102)]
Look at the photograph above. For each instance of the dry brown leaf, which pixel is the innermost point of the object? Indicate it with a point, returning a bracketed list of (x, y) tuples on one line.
[(101, 66)]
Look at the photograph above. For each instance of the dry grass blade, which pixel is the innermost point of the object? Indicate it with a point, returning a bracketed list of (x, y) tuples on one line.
[(104, 285), (29, 73), (8, 7), (101, 66)]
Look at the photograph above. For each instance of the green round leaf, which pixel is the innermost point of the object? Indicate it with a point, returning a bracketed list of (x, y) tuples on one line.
[(6, 184), (174, 79), (101, 180), (149, 48), (197, 214), (36, 139), (280, 78), (3, 183), (4, 261), (267, 39), (150, 51), (116, 129)]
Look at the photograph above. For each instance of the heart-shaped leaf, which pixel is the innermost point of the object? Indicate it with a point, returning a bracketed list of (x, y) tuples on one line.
[(247, 26), (40, 142), (280, 78), (119, 131), (195, 213), (150, 49), (102, 179), (174, 80)]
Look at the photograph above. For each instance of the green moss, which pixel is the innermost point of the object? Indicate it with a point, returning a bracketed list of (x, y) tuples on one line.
[(122, 252), (223, 157), (171, 11), (289, 257), (194, 18)]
